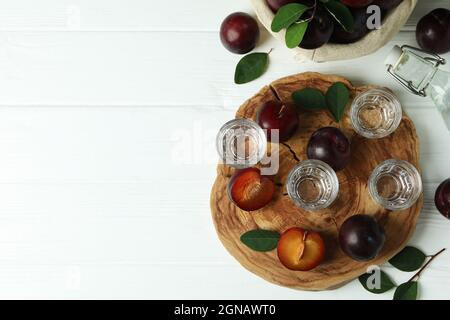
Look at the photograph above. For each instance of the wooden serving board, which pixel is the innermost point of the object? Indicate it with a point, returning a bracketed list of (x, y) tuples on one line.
[(354, 198)]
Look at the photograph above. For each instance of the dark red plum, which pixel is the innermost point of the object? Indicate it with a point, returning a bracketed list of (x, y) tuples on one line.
[(387, 4), (319, 30), (359, 31), (357, 3), (442, 198), (275, 5), (239, 33), (361, 237), (433, 31), (274, 115), (331, 146)]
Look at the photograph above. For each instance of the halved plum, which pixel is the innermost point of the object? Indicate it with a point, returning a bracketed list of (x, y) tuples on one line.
[(301, 250), (249, 190)]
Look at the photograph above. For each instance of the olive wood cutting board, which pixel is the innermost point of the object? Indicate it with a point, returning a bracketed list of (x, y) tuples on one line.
[(282, 214)]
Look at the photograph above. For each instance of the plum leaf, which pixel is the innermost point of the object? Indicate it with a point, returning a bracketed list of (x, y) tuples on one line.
[(337, 98), (406, 291), (310, 99), (409, 259), (386, 283), (341, 14), (287, 15), (251, 67), (261, 240), (295, 34)]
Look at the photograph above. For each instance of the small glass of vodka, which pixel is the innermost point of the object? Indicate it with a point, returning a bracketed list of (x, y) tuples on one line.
[(313, 185), (241, 143), (395, 185), (376, 113)]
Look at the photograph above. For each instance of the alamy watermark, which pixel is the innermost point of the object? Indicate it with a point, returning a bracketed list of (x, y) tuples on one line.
[(238, 148), (374, 19), (373, 282)]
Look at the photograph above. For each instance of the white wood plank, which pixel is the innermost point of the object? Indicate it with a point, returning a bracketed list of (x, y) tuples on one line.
[(178, 281), (136, 15), (153, 69), (107, 144), (116, 15)]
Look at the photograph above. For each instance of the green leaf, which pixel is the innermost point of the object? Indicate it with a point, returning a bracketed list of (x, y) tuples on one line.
[(341, 14), (310, 98), (337, 98), (406, 291), (261, 240), (287, 15), (409, 259), (251, 67), (385, 284), (295, 34)]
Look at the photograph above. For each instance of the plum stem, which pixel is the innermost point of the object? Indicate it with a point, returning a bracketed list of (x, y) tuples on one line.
[(315, 9), (417, 275), (312, 14), (270, 51), (281, 112)]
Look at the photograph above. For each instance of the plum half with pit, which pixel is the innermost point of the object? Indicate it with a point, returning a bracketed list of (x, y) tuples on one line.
[(340, 35), (361, 237), (331, 146), (300, 250), (442, 198), (319, 30), (239, 33), (275, 115), (433, 31)]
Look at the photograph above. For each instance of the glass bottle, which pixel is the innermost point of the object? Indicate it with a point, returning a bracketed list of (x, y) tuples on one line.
[(418, 71)]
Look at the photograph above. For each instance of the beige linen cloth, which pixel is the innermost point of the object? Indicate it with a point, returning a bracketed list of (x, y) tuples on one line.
[(330, 52)]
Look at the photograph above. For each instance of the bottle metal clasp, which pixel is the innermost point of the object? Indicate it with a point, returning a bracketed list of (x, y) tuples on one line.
[(431, 57)]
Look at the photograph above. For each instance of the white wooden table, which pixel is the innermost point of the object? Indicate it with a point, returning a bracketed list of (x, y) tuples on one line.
[(108, 113)]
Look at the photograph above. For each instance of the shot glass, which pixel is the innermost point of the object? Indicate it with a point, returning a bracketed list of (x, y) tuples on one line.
[(395, 185), (376, 113), (241, 143), (313, 185)]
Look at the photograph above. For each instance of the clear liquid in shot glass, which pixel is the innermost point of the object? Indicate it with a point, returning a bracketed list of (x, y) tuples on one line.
[(241, 143), (313, 185), (376, 113), (395, 185)]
